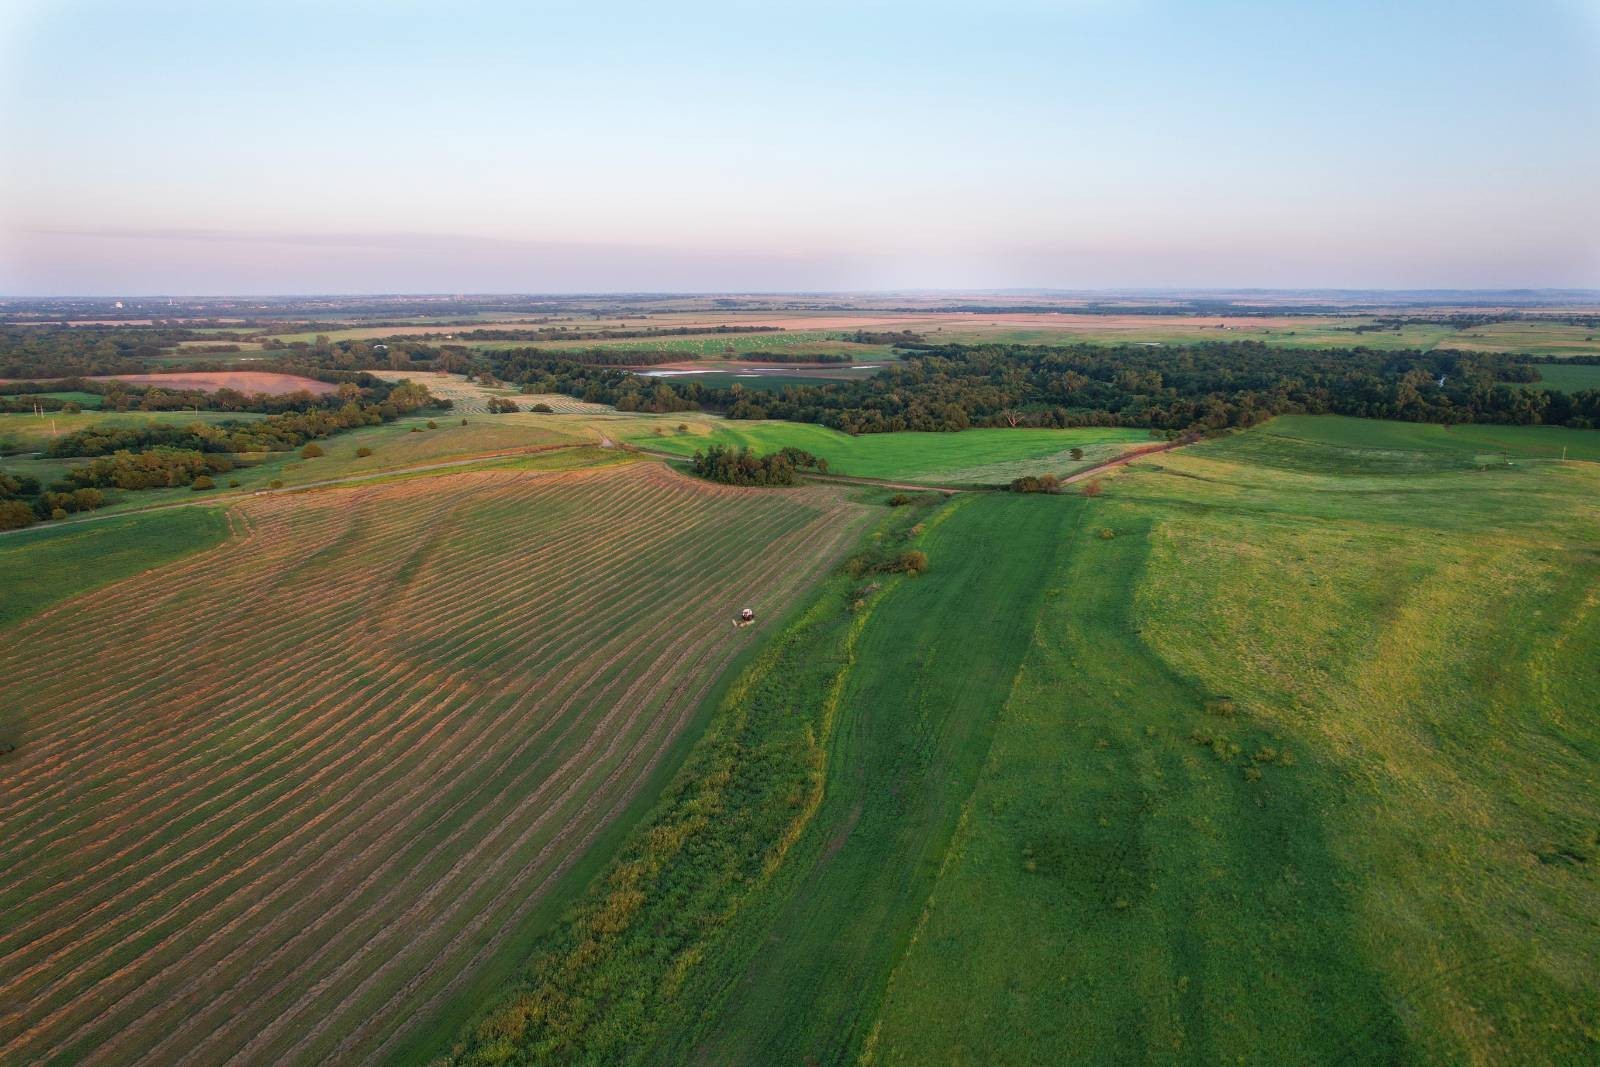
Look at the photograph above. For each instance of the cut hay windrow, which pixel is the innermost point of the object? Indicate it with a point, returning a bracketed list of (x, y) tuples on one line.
[(315, 788), (292, 621)]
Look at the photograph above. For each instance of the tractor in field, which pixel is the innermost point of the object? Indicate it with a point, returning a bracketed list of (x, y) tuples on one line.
[(745, 618)]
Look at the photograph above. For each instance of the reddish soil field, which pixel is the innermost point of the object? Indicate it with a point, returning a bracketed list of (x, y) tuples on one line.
[(245, 381)]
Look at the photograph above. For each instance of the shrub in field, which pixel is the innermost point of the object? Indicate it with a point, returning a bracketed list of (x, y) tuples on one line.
[(683, 427), (312, 451), (363, 452), (881, 561), (1044, 483), (463, 422), (899, 500), (1076, 453), (202, 483), (542, 408), (416, 429), (432, 425), (276, 483), (1106, 535), (1092, 488), (499, 405), (233, 483), (58, 513), (14, 515)]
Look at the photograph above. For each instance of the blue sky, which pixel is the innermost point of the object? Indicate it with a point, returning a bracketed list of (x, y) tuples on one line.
[(299, 147)]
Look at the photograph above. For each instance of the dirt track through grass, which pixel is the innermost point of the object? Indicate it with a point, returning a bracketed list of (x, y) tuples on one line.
[(324, 772)]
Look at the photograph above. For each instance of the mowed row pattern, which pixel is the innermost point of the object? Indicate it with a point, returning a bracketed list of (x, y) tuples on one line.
[(318, 776)]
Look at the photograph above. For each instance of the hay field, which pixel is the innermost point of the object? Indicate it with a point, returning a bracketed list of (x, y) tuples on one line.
[(324, 776)]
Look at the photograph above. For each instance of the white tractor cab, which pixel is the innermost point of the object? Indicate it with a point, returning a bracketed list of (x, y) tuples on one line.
[(746, 617)]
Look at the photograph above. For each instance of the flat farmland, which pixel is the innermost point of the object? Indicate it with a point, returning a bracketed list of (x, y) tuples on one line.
[(470, 398), (983, 456), (328, 776), (245, 381), (35, 432), (1568, 377)]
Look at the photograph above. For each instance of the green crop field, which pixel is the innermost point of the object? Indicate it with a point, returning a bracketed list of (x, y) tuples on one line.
[(1365, 441), (44, 565), (1568, 377), (970, 457), (88, 400), (1276, 751), (324, 781), (33, 432)]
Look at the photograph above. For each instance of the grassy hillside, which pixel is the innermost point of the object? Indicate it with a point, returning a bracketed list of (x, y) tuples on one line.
[(969, 457), (1278, 751), (1294, 772), (321, 786), (1357, 442), (44, 565), (396, 445)]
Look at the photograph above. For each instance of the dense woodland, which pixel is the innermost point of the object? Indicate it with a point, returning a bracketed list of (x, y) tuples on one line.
[(64, 352), (1202, 386)]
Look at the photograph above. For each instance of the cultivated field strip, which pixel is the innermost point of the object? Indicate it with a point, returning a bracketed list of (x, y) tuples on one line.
[(317, 776), (470, 398)]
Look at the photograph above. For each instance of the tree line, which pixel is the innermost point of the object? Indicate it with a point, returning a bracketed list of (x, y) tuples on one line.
[(276, 433), (1206, 385)]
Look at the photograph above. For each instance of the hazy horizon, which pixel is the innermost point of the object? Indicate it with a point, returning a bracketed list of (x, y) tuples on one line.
[(362, 148)]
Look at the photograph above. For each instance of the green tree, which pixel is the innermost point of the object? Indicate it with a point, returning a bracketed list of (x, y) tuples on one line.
[(14, 515)]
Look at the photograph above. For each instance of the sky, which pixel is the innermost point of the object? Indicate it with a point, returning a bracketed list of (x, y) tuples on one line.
[(288, 147)]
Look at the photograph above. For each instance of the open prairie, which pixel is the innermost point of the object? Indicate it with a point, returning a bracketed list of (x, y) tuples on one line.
[(984, 457), (325, 773), (830, 332), (1271, 751)]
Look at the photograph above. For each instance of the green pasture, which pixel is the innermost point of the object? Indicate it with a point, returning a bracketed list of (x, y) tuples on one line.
[(1366, 440), (1568, 377), (981, 456), (1279, 750), (43, 565), (35, 432), (75, 396)]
